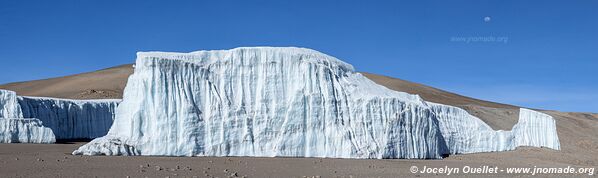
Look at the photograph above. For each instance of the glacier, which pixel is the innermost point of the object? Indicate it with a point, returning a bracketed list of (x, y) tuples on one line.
[(71, 119), (465, 133), (22, 130), (290, 102), (536, 129), (9, 105), (68, 119)]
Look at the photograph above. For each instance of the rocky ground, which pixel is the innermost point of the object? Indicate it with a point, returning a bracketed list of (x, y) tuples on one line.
[(54, 160)]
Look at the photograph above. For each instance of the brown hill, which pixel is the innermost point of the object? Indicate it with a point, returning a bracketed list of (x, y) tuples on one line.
[(101, 84)]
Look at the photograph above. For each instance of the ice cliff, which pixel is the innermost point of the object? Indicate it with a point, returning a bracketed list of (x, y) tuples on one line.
[(14, 128), (465, 133), (536, 129), (68, 119), (9, 105), (290, 102), (20, 130), (71, 119)]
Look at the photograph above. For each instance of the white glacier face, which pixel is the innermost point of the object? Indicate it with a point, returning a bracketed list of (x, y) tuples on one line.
[(71, 119), (9, 105), (14, 128), (20, 130), (536, 129), (465, 133), (68, 119), (290, 102), (268, 102)]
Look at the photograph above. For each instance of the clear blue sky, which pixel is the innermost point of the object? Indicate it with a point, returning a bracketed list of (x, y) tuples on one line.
[(540, 54)]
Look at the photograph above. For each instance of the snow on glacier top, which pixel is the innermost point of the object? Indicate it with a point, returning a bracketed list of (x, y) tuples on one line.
[(207, 57), (77, 101)]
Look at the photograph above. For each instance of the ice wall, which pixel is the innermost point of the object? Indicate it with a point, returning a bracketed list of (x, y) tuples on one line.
[(290, 102), (9, 106), (536, 129), (71, 119), (465, 133), (68, 119), (20, 130)]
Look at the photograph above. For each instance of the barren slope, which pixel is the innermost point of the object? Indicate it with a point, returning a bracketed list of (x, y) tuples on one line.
[(104, 84)]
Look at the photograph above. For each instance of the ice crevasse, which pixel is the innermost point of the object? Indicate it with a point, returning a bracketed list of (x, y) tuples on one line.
[(291, 102), (67, 119)]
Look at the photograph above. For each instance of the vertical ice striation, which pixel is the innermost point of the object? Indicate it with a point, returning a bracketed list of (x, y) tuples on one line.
[(68, 119), (465, 133), (20, 130), (536, 129), (290, 102), (14, 128), (9, 106), (71, 119)]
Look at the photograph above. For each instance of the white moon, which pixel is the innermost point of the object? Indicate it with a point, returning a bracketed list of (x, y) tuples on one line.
[(487, 19)]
